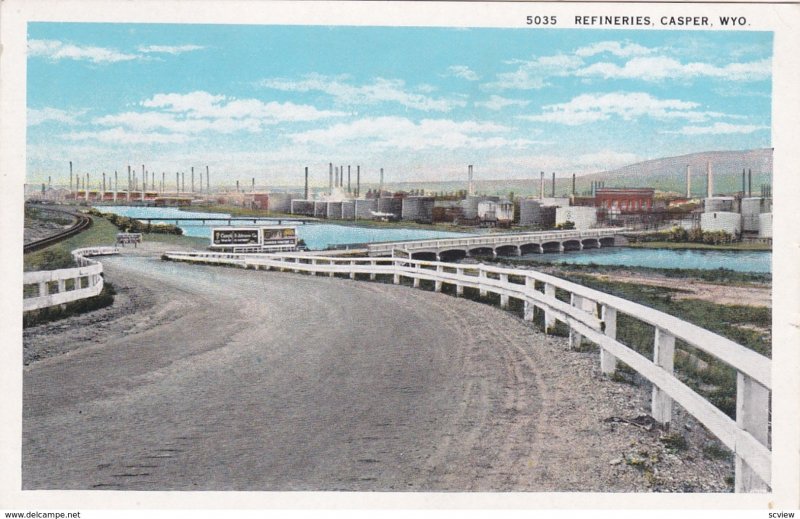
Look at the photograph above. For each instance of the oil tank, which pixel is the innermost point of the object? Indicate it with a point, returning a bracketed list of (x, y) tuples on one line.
[(418, 209), (718, 204), (751, 208), (364, 208), (390, 205), (304, 207), (726, 221), (765, 225), (348, 210), (281, 202)]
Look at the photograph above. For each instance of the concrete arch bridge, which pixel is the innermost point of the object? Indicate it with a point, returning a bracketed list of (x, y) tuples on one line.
[(505, 244)]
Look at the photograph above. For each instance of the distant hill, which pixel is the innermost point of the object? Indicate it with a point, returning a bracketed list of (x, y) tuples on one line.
[(664, 174)]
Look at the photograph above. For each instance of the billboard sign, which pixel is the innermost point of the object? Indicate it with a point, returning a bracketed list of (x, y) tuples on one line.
[(235, 237)]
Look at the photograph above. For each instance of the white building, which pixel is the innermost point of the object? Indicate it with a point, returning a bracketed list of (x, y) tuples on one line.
[(583, 217)]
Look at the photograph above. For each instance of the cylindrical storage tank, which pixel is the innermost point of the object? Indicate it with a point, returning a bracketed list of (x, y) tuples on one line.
[(334, 210), (718, 204), (281, 202), (470, 206), (320, 209), (765, 225), (348, 210), (729, 222), (364, 208), (390, 205), (582, 217), (304, 207), (529, 212), (751, 209)]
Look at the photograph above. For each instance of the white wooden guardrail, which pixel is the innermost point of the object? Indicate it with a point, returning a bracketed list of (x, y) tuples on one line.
[(70, 284), (747, 436)]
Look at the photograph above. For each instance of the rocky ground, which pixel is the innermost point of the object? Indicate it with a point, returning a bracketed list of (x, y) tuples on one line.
[(216, 378), (37, 229)]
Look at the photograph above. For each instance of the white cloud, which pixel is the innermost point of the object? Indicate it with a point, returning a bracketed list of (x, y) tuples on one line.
[(464, 72), (658, 68), (169, 49), (719, 128), (57, 50), (532, 75), (379, 91), (580, 163), (589, 108), (41, 115), (401, 133), (621, 49), (496, 102), (124, 136)]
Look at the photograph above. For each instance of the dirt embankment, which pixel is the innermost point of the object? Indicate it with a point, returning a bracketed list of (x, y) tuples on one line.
[(211, 378)]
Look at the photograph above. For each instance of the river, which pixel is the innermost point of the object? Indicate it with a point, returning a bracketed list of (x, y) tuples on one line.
[(320, 236)]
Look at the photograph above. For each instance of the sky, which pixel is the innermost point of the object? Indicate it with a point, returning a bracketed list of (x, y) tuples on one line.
[(422, 103)]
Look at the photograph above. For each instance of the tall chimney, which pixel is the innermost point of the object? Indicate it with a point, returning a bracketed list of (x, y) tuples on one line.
[(358, 181), (470, 183), (744, 186), (348, 179), (336, 176), (104, 182), (330, 177), (129, 178), (70, 176), (253, 189), (305, 191), (86, 186), (554, 184), (183, 181), (208, 181), (341, 175), (750, 182), (144, 178), (541, 185), (163, 184), (116, 185), (152, 180), (192, 179), (380, 185), (237, 186), (710, 179), (688, 181), (573, 184)]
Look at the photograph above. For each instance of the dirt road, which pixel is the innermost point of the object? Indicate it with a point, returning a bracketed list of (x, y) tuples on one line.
[(210, 378)]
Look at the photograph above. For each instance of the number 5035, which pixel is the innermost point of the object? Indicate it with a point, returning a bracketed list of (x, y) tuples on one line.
[(541, 20)]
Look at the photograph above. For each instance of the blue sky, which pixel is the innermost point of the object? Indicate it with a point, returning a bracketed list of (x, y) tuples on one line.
[(423, 103)]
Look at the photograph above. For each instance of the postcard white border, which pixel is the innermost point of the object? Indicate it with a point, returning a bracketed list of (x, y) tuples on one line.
[(783, 19)]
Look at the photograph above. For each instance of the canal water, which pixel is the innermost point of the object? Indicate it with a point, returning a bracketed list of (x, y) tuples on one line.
[(317, 236), (323, 235)]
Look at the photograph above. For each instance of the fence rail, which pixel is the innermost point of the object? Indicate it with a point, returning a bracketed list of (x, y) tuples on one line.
[(70, 284), (589, 314)]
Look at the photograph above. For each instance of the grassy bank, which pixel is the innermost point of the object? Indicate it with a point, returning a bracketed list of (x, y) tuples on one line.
[(742, 246), (102, 232)]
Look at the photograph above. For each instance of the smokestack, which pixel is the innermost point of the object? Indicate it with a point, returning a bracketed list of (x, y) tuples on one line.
[(554, 184), (336, 176), (208, 181), (305, 192), (253, 189), (129, 178), (541, 185), (358, 181), (144, 178), (104, 182), (688, 181), (163, 182), (177, 182), (710, 179), (348, 179), (330, 177), (750, 182), (573, 184), (341, 175), (237, 186), (70, 176), (192, 179), (183, 181), (470, 184), (86, 187), (380, 186)]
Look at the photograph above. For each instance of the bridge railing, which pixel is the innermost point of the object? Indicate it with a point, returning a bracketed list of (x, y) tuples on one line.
[(494, 240), (84, 281), (593, 315)]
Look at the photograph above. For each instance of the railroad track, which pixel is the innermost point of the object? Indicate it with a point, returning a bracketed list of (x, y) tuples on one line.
[(83, 223)]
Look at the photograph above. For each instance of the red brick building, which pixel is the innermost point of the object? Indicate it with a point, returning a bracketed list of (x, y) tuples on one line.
[(625, 200)]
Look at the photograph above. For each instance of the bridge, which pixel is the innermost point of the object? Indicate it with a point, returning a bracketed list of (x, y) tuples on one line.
[(517, 244), (588, 314), (230, 219)]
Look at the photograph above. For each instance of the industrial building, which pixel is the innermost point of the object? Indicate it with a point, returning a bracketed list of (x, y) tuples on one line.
[(498, 213), (582, 217)]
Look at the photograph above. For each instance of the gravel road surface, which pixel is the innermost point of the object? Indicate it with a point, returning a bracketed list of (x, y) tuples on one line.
[(211, 378)]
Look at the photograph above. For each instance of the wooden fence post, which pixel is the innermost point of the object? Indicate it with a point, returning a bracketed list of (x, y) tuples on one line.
[(482, 278), (608, 362), (549, 318), (664, 357), (574, 337), (459, 287), (352, 272), (503, 298), (437, 284), (752, 415), (416, 277), (527, 313), (373, 264)]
